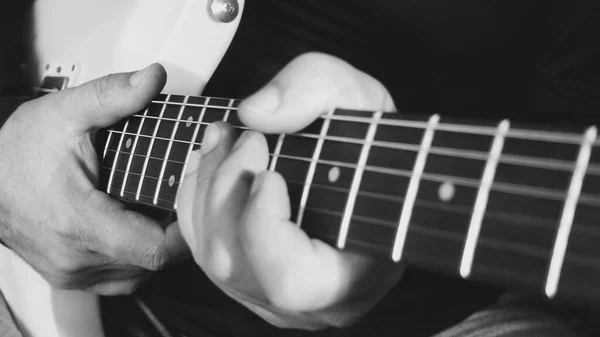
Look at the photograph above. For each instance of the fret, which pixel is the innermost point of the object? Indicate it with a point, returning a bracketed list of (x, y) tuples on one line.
[(276, 152), (111, 146), (439, 223), (150, 149), (227, 112), (136, 155), (167, 154), (335, 170), (413, 188), (370, 135), (217, 110), (481, 200), (134, 146), (233, 117), (190, 119), (311, 170), (108, 139), (515, 240), (116, 156), (580, 272), (294, 161), (568, 213), (112, 171)]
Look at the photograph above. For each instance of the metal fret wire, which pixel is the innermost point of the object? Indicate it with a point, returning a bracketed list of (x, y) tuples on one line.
[(110, 177), (568, 214), (479, 209), (311, 170), (139, 188), (353, 193), (413, 188), (168, 152), (135, 141), (191, 147)]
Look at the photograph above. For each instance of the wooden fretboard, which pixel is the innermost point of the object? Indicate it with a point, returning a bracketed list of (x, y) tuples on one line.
[(488, 201)]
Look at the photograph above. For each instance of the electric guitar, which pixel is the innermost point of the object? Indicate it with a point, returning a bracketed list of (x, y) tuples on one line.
[(492, 201)]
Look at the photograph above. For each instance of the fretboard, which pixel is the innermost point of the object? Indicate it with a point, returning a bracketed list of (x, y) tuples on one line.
[(484, 200)]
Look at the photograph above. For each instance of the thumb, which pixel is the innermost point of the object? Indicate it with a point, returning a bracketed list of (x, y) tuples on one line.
[(310, 85), (104, 101)]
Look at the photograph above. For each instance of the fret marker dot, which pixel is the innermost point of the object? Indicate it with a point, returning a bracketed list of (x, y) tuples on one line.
[(171, 181), (446, 191), (128, 144), (189, 122), (334, 174)]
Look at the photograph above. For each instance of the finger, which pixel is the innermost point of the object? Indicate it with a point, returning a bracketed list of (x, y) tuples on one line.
[(127, 236), (309, 86), (216, 144), (226, 196), (105, 101), (297, 272)]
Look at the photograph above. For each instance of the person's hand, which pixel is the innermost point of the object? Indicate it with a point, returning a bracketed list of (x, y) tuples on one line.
[(51, 213), (235, 215)]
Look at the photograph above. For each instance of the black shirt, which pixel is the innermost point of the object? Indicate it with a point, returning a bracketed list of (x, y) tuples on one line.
[(535, 60)]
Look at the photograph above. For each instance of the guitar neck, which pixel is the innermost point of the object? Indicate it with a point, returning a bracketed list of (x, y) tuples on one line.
[(486, 201)]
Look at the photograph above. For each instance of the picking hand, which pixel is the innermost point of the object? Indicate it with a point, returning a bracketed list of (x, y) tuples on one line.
[(51, 212), (235, 215)]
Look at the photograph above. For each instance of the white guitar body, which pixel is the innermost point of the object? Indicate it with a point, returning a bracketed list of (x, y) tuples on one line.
[(86, 39)]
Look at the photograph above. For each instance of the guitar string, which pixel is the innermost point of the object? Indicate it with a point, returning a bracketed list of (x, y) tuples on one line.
[(555, 137), (519, 189), (550, 136), (519, 160), (522, 190), (374, 195), (455, 236), (504, 246)]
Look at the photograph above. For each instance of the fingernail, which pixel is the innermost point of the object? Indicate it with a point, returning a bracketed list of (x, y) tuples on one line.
[(137, 78), (212, 135), (193, 162), (265, 101)]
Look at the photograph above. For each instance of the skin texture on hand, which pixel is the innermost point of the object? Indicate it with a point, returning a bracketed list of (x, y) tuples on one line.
[(51, 212), (235, 215)]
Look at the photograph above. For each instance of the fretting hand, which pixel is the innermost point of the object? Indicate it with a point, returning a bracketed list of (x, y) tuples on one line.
[(51, 213), (235, 215)]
